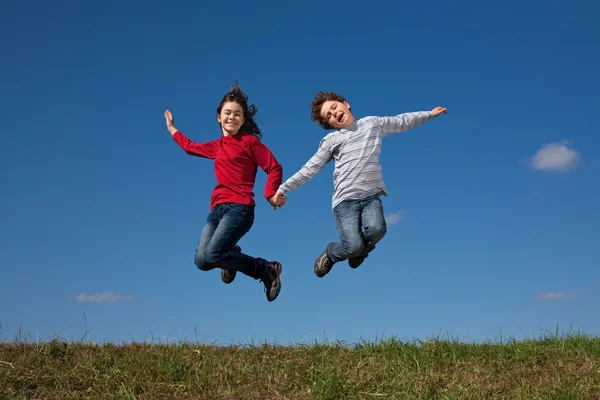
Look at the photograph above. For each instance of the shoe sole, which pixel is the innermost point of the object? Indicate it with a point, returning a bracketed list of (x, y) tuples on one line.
[(226, 280), (279, 268)]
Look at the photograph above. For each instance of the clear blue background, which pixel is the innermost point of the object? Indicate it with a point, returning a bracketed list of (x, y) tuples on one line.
[(96, 197)]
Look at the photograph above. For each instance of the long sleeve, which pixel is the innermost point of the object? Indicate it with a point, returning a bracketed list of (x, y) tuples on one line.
[(309, 170), (403, 122), (267, 162), (206, 150)]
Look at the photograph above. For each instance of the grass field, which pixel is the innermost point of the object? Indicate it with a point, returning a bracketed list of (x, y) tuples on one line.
[(549, 367)]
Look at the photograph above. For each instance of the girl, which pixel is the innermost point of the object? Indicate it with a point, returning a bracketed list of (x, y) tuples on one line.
[(237, 154)]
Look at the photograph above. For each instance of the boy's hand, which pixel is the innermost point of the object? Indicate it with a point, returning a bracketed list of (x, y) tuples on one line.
[(278, 200), (438, 110), (170, 122)]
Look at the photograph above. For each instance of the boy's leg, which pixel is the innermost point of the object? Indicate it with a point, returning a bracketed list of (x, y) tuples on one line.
[(235, 221), (347, 217), (374, 227), (373, 220)]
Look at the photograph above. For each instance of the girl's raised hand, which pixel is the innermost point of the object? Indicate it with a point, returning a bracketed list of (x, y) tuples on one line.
[(170, 122)]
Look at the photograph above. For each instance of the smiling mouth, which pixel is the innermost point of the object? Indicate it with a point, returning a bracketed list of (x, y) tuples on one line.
[(339, 118)]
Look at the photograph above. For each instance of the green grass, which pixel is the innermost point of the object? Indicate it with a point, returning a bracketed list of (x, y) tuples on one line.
[(551, 367)]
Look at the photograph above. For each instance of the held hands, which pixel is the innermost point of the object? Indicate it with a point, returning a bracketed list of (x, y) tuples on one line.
[(277, 200), (170, 122), (438, 110)]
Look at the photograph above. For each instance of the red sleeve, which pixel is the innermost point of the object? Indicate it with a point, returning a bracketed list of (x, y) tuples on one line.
[(206, 150), (265, 159)]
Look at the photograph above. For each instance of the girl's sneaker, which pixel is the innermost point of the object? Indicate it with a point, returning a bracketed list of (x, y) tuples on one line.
[(272, 280), (228, 276)]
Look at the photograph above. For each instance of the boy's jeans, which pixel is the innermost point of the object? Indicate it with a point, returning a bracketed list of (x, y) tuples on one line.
[(225, 225), (360, 224)]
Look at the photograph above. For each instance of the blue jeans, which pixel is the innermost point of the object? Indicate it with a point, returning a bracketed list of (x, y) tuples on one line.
[(225, 225), (360, 224)]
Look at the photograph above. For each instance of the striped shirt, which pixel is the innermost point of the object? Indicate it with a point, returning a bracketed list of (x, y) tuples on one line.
[(355, 151)]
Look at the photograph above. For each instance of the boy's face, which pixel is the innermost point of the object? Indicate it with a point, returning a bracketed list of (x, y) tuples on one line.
[(337, 114)]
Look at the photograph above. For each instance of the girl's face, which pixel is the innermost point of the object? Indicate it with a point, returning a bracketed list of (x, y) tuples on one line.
[(231, 118)]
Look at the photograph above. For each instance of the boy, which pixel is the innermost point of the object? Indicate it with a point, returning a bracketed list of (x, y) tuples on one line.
[(354, 146)]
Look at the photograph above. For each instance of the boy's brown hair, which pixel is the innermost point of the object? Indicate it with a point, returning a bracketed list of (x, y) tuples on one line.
[(317, 103)]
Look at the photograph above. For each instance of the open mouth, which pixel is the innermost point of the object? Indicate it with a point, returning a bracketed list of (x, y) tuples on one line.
[(339, 118)]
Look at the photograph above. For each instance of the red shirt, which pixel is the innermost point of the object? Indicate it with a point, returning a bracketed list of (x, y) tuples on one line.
[(236, 160)]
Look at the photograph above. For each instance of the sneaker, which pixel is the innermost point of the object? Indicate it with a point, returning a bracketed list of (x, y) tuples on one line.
[(323, 264), (272, 280), (228, 276), (357, 261)]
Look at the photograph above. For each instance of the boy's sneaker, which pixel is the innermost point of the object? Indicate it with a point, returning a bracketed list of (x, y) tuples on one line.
[(357, 261), (272, 280), (228, 276), (323, 264)]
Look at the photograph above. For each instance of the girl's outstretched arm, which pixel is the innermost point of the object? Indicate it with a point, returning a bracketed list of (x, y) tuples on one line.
[(206, 150), (268, 163)]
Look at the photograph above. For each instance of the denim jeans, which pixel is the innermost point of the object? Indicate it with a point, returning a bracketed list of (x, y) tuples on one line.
[(225, 225), (360, 224)]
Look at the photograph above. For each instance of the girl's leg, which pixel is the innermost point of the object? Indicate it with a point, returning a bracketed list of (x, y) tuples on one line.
[(212, 221), (228, 276), (235, 220)]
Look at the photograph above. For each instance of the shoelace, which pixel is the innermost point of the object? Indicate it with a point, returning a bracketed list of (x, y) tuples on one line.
[(327, 264)]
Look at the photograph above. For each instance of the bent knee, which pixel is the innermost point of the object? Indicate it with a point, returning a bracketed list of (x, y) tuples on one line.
[(376, 232), (353, 249), (202, 262), (213, 257)]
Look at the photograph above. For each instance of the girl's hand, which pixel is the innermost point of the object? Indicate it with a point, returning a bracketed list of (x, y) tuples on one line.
[(170, 122), (438, 110), (277, 200)]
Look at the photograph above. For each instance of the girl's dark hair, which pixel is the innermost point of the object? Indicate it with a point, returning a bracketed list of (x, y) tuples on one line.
[(237, 95)]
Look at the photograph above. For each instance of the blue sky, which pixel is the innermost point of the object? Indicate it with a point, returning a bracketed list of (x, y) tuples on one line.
[(493, 210)]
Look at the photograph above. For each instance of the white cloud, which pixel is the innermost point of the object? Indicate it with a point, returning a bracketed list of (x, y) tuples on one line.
[(555, 157), (394, 218), (547, 296), (106, 297)]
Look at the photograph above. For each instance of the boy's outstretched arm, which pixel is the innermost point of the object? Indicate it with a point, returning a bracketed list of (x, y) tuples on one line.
[(406, 121), (305, 174), (206, 150)]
